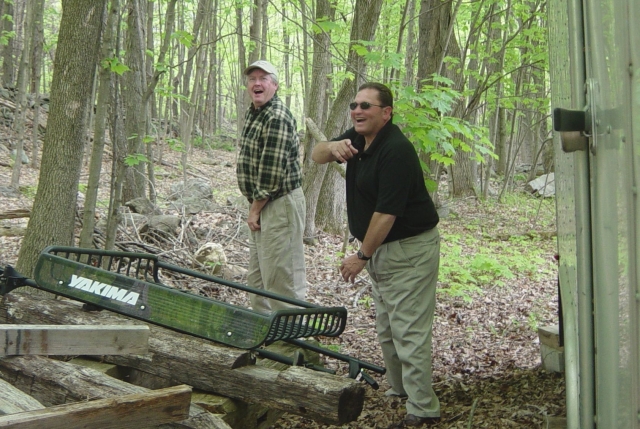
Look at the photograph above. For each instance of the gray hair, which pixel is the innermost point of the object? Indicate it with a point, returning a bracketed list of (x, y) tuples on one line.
[(274, 78)]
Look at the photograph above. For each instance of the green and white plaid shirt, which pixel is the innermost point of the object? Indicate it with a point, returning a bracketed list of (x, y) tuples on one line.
[(269, 163)]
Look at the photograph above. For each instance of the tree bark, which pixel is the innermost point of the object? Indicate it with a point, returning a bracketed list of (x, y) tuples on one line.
[(75, 64)]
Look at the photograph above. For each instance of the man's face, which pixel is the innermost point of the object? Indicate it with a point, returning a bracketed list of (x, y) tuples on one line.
[(368, 122), (261, 87)]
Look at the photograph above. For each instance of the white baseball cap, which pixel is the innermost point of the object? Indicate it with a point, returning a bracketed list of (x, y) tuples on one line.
[(262, 65)]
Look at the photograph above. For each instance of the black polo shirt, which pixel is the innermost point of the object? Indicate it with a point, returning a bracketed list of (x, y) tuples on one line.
[(388, 179)]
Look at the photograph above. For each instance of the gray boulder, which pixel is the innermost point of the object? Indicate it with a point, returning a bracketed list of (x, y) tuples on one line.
[(193, 188), (543, 186)]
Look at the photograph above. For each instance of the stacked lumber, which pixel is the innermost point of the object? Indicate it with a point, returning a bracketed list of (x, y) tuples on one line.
[(123, 405), (176, 359)]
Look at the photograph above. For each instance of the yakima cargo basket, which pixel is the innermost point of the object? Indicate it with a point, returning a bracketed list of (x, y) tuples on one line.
[(128, 283)]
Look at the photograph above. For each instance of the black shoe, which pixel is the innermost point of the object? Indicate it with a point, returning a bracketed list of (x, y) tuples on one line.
[(411, 421)]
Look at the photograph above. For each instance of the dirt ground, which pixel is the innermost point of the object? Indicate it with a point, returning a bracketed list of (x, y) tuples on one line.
[(486, 353)]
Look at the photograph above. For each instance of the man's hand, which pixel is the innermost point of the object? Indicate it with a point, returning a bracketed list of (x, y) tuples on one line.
[(253, 221), (351, 267), (343, 150)]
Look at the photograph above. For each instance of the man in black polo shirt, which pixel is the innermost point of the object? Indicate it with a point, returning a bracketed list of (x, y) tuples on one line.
[(391, 213)]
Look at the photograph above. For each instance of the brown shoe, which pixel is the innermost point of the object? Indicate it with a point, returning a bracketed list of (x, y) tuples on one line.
[(411, 421)]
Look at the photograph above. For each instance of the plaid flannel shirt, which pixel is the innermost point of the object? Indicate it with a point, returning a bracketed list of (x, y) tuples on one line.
[(268, 162)]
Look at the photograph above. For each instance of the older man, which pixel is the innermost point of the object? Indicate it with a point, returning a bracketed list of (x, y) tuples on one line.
[(269, 176), (391, 213)]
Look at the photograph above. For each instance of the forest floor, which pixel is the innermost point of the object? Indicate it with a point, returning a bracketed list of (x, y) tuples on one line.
[(497, 286)]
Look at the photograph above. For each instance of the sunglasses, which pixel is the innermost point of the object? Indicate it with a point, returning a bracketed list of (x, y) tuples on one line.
[(364, 105)]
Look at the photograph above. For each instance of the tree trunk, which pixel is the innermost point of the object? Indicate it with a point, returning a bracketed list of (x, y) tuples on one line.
[(255, 30), (314, 174), (242, 98), (286, 64), (210, 124), (433, 23), (100, 121), (411, 45), (134, 86), (118, 166), (8, 50), (192, 93), (75, 65), (21, 102), (36, 74)]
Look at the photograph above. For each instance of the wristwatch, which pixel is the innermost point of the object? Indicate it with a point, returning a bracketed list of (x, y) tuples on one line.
[(363, 256)]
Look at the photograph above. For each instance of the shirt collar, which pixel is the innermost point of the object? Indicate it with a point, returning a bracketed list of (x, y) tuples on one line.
[(255, 110), (377, 141)]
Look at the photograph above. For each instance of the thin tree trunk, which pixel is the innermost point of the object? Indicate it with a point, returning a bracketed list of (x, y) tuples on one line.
[(8, 50), (241, 95), (37, 40), (95, 163), (21, 102), (135, 108), (210, 125), (314, 174)]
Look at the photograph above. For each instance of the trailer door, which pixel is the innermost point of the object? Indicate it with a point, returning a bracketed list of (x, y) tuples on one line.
[(599, 246)]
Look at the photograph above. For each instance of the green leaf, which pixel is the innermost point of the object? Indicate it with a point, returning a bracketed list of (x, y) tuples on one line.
[(135, 159)]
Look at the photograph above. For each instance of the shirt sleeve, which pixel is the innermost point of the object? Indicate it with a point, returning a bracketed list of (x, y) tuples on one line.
[(278, 135)]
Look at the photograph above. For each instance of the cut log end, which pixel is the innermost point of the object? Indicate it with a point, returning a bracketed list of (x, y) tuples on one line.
[(351, 404)]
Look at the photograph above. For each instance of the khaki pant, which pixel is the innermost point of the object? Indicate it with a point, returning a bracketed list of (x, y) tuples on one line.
[(404, 274), (276, 252)]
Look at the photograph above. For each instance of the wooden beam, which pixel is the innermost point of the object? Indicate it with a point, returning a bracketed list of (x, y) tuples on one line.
[(207, 366), (147, 409), (54, 382), (14, 400), (73, 340)]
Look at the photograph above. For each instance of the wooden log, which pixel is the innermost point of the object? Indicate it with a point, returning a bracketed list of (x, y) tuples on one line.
[(13, 400), (73, 340), (54, 382), (240, 414), (206, 366), (236, 413), (147, 409), (15, 214)]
